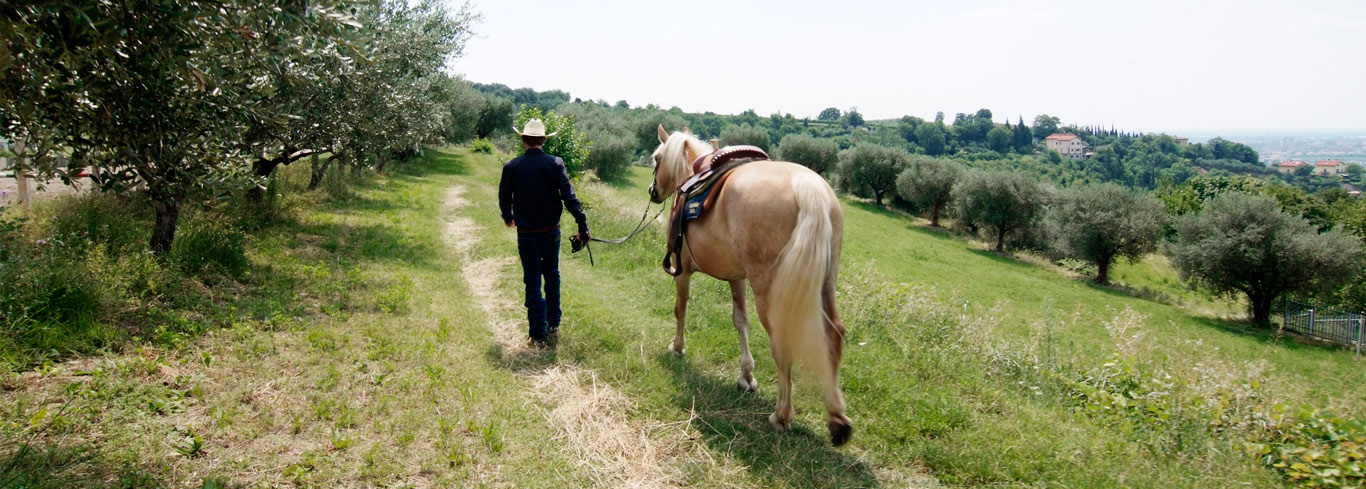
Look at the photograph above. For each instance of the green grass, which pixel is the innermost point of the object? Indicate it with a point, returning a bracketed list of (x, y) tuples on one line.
[(919, 401), (1019, 293), (361, 357), (347, 364)]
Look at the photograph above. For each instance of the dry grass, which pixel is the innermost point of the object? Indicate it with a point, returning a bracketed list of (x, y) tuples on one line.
[(590, 416), (594, 422)]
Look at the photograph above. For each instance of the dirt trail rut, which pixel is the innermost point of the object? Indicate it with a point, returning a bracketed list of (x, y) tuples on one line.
[(591, 416)]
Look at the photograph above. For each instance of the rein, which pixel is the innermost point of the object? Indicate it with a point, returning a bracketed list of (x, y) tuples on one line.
[(576, 245)]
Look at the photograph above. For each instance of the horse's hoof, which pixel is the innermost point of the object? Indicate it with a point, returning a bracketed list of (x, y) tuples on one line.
[(750, 385), (674, 349), (841, 429), (778, 424)]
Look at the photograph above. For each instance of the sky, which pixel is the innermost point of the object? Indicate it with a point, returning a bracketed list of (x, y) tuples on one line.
[(1192, 67)]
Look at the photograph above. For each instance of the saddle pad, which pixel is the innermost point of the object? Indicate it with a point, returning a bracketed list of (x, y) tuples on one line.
[(702, 196)]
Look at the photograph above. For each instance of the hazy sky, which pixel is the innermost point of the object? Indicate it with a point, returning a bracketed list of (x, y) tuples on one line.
[(1193, 66)]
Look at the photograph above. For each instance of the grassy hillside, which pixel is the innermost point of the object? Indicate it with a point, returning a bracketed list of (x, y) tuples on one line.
[(396, 362)]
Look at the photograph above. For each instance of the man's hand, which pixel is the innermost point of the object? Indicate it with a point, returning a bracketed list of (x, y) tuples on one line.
[(585, 235), (511, 223)]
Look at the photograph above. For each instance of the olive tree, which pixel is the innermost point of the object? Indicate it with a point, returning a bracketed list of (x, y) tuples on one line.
[(927, 184), (1001, 202), (167, 115), (745, 134), (870, 170), (819, 154), (1243, 243), (1100, 223)]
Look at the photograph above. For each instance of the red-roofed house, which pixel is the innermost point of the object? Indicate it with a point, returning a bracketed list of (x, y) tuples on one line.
[(1330, 168), (1289, 166), (1067, 144)]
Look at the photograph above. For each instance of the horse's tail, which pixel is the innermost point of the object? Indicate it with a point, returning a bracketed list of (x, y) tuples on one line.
[(803, 267)]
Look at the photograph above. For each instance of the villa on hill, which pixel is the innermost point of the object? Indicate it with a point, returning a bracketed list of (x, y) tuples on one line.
[(1330, 168), (1289, 166), (1069, 145)]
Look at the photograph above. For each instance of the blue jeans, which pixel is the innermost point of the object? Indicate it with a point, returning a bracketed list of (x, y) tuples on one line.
[(540, 253)]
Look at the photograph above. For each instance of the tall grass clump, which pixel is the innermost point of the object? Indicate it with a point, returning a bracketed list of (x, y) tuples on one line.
[(72, 263), (208, 243)]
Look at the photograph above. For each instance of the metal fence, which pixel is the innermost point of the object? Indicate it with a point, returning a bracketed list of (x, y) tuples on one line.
[(1324, 323)]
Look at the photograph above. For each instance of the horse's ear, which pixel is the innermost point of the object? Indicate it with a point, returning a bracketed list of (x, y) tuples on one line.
[(663, 135)]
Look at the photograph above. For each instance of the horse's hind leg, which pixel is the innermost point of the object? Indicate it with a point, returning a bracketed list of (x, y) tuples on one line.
[(783, 414), (841, 428), (746, 381), (681, 286)]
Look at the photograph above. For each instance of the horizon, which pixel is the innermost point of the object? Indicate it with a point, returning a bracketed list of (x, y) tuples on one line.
[(1214, 68)]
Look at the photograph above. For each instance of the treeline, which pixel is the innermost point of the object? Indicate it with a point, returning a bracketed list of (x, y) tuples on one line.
[(1235, 235), (1129, 159), (1138, 194), (185, 101), (184, 115)]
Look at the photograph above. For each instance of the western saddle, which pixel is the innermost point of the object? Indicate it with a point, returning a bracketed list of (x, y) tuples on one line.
[(697, 195)]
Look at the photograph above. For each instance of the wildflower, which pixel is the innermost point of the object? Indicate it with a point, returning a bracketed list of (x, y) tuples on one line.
[(42, 241)]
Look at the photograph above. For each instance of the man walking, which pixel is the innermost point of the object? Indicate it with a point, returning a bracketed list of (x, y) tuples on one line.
[(533, 192)]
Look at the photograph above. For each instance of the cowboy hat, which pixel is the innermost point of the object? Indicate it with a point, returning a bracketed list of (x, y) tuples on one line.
[(534, 128)]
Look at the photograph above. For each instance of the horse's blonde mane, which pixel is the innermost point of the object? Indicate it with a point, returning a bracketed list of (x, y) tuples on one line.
[(673, 154)]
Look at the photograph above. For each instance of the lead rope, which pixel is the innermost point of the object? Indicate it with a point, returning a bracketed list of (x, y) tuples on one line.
[(575, 244)]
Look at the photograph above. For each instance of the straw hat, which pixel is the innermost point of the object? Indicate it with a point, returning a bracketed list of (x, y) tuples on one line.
[(534, 128)]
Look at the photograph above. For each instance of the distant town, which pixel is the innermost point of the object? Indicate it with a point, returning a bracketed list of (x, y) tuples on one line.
[(1310, 148)]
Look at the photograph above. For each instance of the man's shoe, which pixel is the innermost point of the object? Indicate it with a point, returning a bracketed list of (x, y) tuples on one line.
[(554, 337), (535, 344)]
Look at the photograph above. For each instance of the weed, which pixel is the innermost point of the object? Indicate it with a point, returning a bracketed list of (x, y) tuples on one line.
[(1315, 449), (456, 455), (342, 440), (223, 416), (188, 443), (492, 436), (394, 298)]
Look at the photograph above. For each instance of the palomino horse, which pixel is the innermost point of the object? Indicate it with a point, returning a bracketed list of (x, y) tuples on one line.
[(780, 226)]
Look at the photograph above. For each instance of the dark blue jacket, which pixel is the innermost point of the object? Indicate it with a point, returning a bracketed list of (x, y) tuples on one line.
[(534, 189)]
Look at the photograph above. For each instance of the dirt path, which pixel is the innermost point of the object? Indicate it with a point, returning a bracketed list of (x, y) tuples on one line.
[(590, 416)]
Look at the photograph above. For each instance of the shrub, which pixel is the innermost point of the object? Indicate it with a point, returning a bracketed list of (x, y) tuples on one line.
[(569, 144), (611, 155), (482, 145), (208, 244), (1316, 449), (646, 126), (819, 154)]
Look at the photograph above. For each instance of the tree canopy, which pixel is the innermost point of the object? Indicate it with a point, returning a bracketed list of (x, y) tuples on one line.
[(820, 155), (185, 99), (1245, 243), (1003, 202), (1099, 223), (927, 184), (870, 170)]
